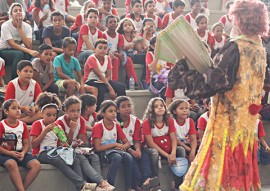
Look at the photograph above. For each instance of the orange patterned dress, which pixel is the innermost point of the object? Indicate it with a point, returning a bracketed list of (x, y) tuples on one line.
[(227, 158)]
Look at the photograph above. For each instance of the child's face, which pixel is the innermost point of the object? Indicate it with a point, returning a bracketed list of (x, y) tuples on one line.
[(14, 110), (57, 22), (125, 108), (138, 46), (92, 19), (46, 56), (49, 115), (137, 8), (110, 113), (26, 73), (150, 27), (179, 10), (112, 24), (202, 25), (74, 111), (70, 50), (151, 7), (127, 26), (218, 31), (101, 49), (182, 111), (159, 108), (196, 8), (91, 109), (107, 5)]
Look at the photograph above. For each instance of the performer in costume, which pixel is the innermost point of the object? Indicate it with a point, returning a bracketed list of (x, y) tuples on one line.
[(227, 158)]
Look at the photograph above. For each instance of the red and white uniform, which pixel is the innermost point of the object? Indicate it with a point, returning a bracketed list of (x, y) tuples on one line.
[(80, 129), (127, 43), (259, 130), (98, 3), (24, 97), (157, 21), (202, 121), (167, 19), (20, 130), (102, 17), (47, 21), (50, 139), (133, 129), (93, 62), (137, 23), (160, 5), (91, 119), (191, 20), (175, 94), (2, 67), (182, 130), (207, 37), (114, 42), (100, 131), (92, 37), (218, 44), (79, 21), (227, 23)]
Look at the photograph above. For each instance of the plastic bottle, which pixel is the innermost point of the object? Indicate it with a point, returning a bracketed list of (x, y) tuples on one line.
[(60, 134), (131, 83), (159, 162)]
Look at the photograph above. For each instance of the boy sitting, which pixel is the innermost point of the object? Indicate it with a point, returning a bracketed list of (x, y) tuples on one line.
[(109, 10), (64, 66), (136, 15)]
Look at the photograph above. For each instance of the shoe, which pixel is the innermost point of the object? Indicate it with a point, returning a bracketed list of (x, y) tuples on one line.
[(153, 182), (89, 187), (144, 84), (109, 188)]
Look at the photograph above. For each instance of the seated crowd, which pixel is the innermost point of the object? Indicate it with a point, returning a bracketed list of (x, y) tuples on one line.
[(95, 45)]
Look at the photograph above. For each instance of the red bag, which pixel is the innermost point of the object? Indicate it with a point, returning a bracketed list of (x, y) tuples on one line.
[(164, 142)]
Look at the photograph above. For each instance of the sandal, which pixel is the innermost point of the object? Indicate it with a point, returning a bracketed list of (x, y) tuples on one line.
[(153, 182)]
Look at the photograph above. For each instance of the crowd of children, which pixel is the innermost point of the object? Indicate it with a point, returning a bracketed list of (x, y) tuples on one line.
[(102, 44)]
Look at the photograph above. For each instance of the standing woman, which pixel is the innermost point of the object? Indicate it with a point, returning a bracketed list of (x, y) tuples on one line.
[(16, 39)]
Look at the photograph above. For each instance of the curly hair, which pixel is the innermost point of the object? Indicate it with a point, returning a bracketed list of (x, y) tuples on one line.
[(150, 112), (47, 97), (251, 17)]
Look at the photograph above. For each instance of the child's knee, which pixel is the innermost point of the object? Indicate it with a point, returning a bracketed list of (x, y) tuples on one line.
[(34, 165), (11, 165)]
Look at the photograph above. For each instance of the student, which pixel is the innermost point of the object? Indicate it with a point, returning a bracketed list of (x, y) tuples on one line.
[(104, 139), (185, 128), (150, 10), (202, 31), (226, 20), (64, 67), (162, 7), (129, 7), (43, 69), (136, 15), (25, 90), (16, 39), (55, 34), (107, 6), (12, 159), (203, 119), (116, 44), (195, 10), (219, 39), (148, 31), (131, 126), (178, 9), (62, 7), (97, 73)]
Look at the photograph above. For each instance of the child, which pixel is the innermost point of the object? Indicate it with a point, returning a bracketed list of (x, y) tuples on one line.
[(54, 35), (43, 69), (226, 20), (201, 29), (11, 159), (88, 36), (25, 90), (150, 10), (136, 15), (148, 31), (2, 72), (97, 73), (107, 6), (195, 10), (185, 127), (218, 39), (104, 137), (162, 7), (64, 66), (116, 43), (203, 119), (178, 9), (128, 5), (131, 126)]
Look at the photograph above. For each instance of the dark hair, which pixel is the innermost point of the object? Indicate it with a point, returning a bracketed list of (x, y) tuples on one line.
[(150, 112), (200, 17), (100, 41), (133, 2), (6, 106), (111, 17), (68, 41), (148, 2), (228, 4), (145, 21), (56, 13), (87, 100), (120, 28), (118, 102), (152, 42), (207, 100), (46, 98), (178, 3), (23, 63), (173, 106), (193, 2), (38, 4), (43, 47), (92, 10), (70, 101), (103, 107)]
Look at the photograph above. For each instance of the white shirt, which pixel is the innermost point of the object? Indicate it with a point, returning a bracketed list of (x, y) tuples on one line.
[(182, 130), (50, 139), (102, 68), (108, 135), (130, 129), (157, 132)]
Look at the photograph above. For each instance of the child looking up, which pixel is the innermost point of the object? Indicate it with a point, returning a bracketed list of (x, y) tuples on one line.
[(43, 69), (105, 136), (11, 159), (203, 119), (150, 10), (64, 67), (195, 6), (178, 9), (25, 90), (185, 127)]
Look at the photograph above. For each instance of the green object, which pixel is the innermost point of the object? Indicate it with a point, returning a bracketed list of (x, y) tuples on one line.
[(60, 134)]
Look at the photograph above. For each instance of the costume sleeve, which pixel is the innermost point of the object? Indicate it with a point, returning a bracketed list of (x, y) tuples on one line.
[(10, 91), (192, 128), (137, 136)]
